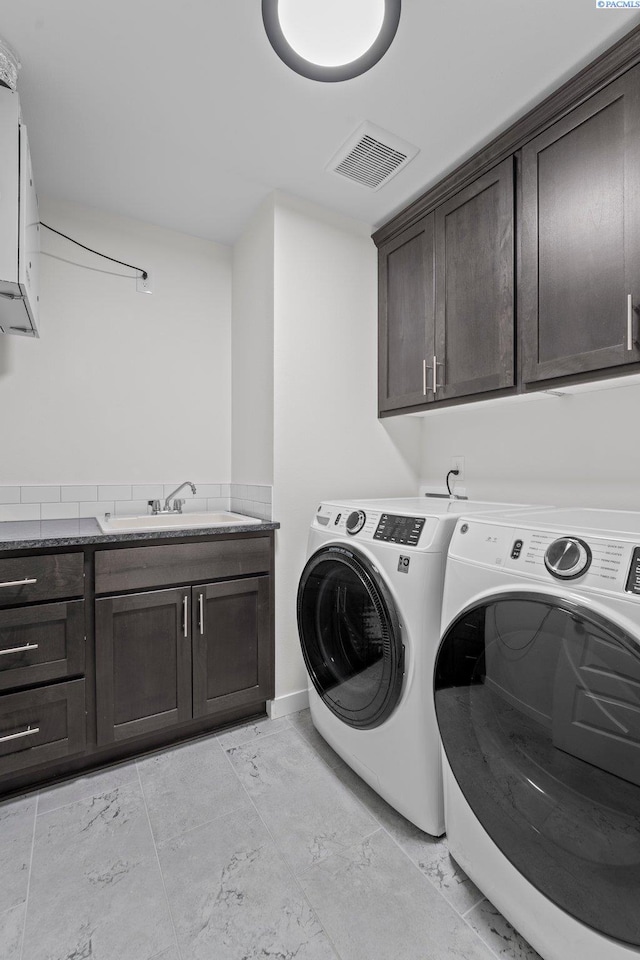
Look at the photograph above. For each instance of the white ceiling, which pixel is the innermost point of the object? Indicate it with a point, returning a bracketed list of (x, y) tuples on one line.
[(181, 114)]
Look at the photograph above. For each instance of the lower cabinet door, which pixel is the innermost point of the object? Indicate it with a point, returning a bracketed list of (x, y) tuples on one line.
[(143, 663), (231, 644), (41, 725)]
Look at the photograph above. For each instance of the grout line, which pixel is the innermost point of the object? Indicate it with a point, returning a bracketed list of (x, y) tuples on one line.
[(288, 866), (26, 901), (89, 796), (164, 886)]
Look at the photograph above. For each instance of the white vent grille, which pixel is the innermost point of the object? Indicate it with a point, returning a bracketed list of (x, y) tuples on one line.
[(371, 156)]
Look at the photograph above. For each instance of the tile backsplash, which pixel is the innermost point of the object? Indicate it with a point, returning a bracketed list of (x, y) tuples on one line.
[(69, 501)]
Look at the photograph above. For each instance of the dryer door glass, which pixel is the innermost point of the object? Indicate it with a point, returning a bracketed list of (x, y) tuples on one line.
[(538, 704), (350, 636)]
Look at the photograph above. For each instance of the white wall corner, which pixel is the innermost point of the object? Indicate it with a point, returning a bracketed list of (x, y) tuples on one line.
[(289, 703)]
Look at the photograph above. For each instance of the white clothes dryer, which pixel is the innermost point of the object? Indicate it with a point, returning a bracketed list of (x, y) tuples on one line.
[(369, 603), (537, 696)]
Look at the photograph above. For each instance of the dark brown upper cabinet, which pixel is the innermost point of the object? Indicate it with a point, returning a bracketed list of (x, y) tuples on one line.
[(580, 268), (446, 289), (406, 329), (474, 237)]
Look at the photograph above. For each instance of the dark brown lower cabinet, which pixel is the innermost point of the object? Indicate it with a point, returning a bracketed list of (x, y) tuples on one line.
[(167, 656), (41, 643), (41, 725), (230, 649)]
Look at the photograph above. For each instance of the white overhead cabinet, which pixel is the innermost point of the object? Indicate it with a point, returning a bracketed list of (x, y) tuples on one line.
[(19, 224)]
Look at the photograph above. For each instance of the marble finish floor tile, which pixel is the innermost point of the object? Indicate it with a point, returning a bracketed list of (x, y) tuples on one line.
[(248, 732), (492, 927), (303, 724), (309, 812), (189, 785), (430, 854), (96, 889), (85, 786), (233, 898), (11, 928), (17, 819), (374, 908)]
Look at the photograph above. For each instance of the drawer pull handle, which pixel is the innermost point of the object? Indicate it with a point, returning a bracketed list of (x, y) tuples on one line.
[(29, 732), (185, 614), (201, 614), (27, 646), (19, 583), (629, 322)]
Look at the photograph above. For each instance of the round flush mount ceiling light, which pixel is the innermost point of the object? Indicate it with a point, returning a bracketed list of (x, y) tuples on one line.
[(331, 40)]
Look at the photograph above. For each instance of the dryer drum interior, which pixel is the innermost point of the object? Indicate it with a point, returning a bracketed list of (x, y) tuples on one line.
[(350, 636), (538, 705)]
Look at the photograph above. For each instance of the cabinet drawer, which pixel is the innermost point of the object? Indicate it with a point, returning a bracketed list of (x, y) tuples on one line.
[(27, 579), (141, 567), (37, 726), (40, 644)]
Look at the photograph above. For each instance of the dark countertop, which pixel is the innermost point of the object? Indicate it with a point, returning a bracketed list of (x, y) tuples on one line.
[(23, 534)]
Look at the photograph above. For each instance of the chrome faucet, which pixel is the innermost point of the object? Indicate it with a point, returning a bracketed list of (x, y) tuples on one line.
[(177, 503)]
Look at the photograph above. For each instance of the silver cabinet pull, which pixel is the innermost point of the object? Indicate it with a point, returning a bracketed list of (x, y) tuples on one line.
[(27, 646), (201, 613), (185, 613), (19, 583), (629, 322), (29, 732), (436, 385), (424, 377)]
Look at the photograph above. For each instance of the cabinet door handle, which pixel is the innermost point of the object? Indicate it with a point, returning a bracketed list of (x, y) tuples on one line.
[(29, 732), (629, 322), (201, 613), (436, 385), (185, 614), (424, 377), (27, 646), (19, 583)]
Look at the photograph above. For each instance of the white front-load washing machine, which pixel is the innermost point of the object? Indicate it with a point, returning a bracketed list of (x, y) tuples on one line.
[(537, 696), (368, 607)]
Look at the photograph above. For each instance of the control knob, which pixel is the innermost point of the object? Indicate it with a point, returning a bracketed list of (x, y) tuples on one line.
[(567, 558), (356, 521)]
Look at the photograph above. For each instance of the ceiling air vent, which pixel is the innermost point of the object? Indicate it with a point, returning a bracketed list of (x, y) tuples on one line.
[(371, 156)]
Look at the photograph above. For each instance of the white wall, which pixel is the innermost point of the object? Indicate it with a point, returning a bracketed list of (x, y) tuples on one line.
[(121, 386), (328, 441), (578, 450), (252, 352)]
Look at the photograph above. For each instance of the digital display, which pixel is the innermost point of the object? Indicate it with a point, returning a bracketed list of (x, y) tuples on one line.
[(405, 530), (633, 580)]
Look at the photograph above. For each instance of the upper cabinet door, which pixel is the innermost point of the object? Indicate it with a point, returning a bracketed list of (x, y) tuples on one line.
[(580, 275), (406, 318), (475, 287)]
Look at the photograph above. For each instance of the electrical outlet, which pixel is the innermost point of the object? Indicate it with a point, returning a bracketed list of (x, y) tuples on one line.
[(457, 463), (143, 284)]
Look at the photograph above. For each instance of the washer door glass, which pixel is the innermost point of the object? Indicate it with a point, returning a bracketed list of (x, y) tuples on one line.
[(350, 636), (538, 704)]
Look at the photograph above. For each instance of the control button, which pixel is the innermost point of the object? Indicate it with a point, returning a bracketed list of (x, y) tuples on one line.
[(567, 558), (516, 550), (356, 521), (337, 520)]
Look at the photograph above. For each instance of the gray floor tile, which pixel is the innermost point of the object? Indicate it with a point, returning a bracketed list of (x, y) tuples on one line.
[(96, 889), (84, 787), (170, 954), (251, 731), (303, 723), (374, 908), (188, 786), (233, 898), (16, 836), (309, 812), (11, 927), (429, 853), (506, 942)]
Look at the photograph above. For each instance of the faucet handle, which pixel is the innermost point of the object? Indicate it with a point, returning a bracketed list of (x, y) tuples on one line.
[(155, 505), (178, 505)]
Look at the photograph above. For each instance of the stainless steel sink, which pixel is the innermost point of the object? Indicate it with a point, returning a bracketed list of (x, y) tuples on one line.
[(171, 521)]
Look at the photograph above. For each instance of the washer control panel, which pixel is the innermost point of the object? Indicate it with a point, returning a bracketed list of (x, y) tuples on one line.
[(594, 562), (398, 529)]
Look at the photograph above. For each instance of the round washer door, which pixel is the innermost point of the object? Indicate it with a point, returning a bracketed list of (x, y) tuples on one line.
[(538, 705), (350, 636)]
